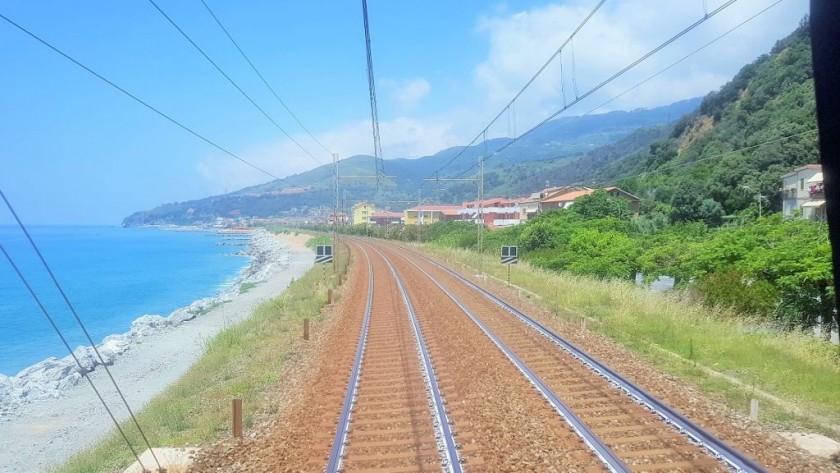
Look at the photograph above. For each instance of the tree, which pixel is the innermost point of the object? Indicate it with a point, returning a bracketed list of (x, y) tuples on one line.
[(599, 204), (603, 254)]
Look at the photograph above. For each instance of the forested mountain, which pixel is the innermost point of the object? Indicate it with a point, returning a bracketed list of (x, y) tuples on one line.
[(549, 147), (755, 128)]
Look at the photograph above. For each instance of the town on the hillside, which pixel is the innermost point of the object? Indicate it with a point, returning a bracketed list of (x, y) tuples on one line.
[(801, 188)]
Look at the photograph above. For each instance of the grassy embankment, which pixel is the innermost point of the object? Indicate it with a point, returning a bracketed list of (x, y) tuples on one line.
[(242, 361), (795, 376)]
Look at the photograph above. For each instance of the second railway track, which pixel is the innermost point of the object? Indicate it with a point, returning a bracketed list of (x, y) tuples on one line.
[(642, 433), (420, 369)]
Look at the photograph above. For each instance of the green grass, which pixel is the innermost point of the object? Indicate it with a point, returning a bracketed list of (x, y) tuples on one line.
[(243, 361), (682, 337), (246, 286), (319, 240)]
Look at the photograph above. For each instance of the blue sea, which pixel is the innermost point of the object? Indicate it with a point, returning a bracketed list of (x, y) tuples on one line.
[(111, 275)]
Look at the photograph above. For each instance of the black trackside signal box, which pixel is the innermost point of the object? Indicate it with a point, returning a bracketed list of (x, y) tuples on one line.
[(510, 254), (323, 254)]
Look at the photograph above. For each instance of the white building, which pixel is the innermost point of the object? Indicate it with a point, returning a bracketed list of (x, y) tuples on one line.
[(802, 193)]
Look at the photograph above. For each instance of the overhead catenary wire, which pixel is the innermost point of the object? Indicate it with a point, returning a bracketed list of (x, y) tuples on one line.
[(374, 110), (558, 52), (607, 81), (84, 330), (679, 61), (667, 68), (264, 81), (142, 102), (233, 83), (72, 354)]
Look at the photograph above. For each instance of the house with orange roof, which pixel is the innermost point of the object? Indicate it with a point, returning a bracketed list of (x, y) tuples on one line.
[(529, 206), (429, 214)]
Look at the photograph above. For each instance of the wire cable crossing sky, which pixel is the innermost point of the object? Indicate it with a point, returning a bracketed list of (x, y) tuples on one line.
[(443, 70)]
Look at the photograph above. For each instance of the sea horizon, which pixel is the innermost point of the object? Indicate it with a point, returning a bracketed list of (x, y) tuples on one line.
[(111, 274)]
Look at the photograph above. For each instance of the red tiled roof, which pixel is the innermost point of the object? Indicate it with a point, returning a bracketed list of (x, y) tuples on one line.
[(569, 196), (433, 208), (490, 202)]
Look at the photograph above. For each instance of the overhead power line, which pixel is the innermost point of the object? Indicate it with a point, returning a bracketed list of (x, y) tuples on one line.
[(143, 102), (374, 112), (265, 82), (665, 69), (232, 82), (84, 330), (607, 81), (679, 61), (558, 52)]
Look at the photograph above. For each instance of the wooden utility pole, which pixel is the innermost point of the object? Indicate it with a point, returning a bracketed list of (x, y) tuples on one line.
[(237, 418)]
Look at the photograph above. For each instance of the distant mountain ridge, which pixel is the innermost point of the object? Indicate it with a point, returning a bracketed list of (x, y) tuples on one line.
[(555, 143)]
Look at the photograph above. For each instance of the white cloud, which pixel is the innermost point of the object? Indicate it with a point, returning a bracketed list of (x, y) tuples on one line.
[(407, 94), (280, 159), (402, 137), (518, 44), (616, 35)]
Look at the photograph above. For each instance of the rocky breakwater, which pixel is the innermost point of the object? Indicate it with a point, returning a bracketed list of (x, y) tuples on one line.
[(53, 376)]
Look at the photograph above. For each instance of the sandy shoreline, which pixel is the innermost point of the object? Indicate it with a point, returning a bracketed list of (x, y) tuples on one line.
[(43, 432)]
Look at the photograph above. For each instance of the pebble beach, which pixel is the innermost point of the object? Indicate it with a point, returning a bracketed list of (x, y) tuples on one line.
[(48, 411)]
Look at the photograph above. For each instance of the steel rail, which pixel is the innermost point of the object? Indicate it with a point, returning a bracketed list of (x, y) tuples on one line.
[(598, 447), (445, 437), (340, 439), (715, 446)]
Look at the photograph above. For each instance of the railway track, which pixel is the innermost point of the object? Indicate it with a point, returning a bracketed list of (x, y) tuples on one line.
[(497, 429), (627, 428), (393, 416), (422, 370)]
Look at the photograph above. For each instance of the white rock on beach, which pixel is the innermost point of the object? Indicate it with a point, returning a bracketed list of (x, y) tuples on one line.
[(50, 377)]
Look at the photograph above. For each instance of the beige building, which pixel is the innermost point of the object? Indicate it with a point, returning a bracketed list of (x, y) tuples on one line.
[(429, 214)]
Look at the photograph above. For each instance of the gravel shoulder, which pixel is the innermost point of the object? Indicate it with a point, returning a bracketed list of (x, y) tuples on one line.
[(44, 433)]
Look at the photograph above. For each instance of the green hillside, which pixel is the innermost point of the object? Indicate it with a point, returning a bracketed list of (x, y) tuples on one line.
[(750, 132), (697, 224), (544, 150)]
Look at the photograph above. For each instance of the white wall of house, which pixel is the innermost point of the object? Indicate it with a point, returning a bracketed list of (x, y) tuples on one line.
[(796, 191)]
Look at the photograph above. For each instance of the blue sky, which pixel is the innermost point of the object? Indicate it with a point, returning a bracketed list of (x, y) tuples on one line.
[(73, 150)]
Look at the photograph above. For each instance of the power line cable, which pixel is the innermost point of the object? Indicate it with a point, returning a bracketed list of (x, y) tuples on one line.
[(72, 354), (262, 78), (233, 83), (667, 68), (374, 111), (84, 330), (608, 80), (265, 82), (141, 101), (527, 84), (679, 61)]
